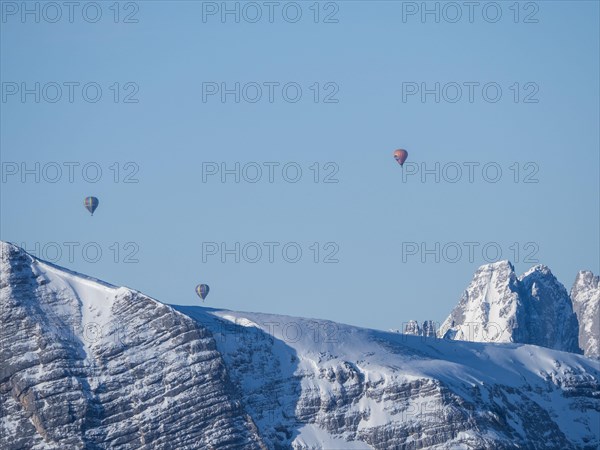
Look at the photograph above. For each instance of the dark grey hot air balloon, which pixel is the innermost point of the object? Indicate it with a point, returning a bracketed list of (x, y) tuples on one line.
[(91, 203), (202, 290)]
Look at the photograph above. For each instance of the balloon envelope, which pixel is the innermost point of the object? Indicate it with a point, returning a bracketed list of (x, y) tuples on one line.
[(400, 156), (91, 203), (202, 290)]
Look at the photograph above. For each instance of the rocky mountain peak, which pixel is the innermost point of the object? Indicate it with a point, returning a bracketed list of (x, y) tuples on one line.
[(498, 306), (585, 295)]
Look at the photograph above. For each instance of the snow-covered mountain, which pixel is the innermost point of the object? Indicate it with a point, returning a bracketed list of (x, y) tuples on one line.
[(498, 306), (585, 294), (84, 364)]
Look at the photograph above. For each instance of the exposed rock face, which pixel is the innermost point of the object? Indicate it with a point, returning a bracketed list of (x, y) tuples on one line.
[(585, 295), (549, 317), (428, 329), (87, 365), (498, 306), (127, 373), (487, 310), (412, 328)]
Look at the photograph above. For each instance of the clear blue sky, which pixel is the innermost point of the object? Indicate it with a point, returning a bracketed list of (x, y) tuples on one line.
[(369, 53)]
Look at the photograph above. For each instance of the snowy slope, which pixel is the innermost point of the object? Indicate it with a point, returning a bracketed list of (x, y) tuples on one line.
[(387, 390), (84, 364)]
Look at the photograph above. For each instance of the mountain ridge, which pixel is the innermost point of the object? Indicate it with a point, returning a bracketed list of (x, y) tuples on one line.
[(533, 308), (87, 364)]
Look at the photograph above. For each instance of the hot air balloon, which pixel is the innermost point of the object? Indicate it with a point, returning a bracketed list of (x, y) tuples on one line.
[(91, 203), (400, 156), (202, 290)]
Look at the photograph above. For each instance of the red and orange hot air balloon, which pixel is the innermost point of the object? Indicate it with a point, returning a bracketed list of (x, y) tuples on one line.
[(400, 156)]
